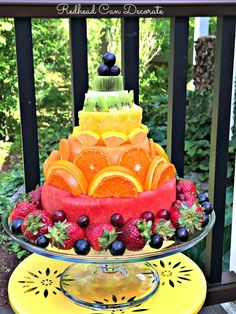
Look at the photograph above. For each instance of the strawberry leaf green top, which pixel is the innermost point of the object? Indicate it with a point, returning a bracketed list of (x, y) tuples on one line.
[(107, 238), (33, 223)]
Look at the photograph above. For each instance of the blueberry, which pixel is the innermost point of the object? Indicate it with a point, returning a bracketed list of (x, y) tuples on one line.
[(203, 197), (103, 70), (164, 213), (148, 215), (58, 215), (82, 247), (42, 241), (109, 59), (117, 220), (208, 208), (83, 221), (114, 71), (182, 234), (156, 241), (16, 226), (117, 248), (205, 220)]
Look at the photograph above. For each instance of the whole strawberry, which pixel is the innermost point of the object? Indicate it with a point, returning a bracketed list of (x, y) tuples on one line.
[(100, 235), (190, 199), (36, 223), (187, 186), (189, 217), (175, 215), (164, 228), (22, 210), (35, 197), (135, 233), (64, 234)]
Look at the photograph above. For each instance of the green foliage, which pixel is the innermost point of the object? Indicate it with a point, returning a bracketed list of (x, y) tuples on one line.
[(155, 117), (20, 253), (198, 126), (9, 124), (9, 184)]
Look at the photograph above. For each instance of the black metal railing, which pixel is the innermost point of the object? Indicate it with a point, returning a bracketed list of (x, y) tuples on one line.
[(222, 287)]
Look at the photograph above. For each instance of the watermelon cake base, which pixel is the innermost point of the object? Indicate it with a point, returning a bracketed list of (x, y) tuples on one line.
[(100, 210)]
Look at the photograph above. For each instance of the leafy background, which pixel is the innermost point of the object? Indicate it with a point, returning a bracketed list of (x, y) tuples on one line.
[(53, 97)]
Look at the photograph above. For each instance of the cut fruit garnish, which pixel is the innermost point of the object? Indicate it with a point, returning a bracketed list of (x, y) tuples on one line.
[(54, 156), (115, 181), (87, 138), (137, 135), (65, 175), (76, 130), (151, 147), (90, 161), (145, 128), (160, 151), (157, 150), (113, 138), (137, 160), (162, 175), (64, 149), (156, 163)]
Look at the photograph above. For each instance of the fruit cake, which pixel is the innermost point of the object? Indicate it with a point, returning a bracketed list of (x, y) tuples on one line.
[(108, 164), (109, 186)]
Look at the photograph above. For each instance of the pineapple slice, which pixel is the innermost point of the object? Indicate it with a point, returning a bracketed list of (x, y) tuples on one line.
[(121, 121)]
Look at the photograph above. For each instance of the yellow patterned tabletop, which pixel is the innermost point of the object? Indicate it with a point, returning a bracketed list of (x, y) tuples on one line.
[(34, 288)]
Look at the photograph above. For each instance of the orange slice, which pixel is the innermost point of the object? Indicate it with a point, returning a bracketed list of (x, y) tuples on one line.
[(64, 148), (137, 160), (90, 161), (156, 163), (137, 135), (65, 175), (113, 138), (115, 181), (54, 156), (65, 181), (160, 151), (88, 138), (151, 147), (162, 175)]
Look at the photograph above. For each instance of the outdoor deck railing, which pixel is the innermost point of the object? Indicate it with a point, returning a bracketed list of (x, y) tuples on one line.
[(222, 286)]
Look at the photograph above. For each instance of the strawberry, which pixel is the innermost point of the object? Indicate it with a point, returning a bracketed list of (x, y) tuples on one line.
[(185, 216), (36, 223), (187, 186), (64, 234), (164, 228), (190, 199), (135, 233), (100, 235), (175, 215), (35, 197), (22, 210)]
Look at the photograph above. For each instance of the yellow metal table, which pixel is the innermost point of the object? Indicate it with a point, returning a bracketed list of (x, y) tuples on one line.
[(34, 288)]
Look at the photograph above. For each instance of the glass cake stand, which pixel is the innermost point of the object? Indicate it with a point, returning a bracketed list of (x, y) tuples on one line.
[(101, 276)]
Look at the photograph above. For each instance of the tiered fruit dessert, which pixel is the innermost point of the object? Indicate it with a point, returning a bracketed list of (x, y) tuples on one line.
[(108, 186)]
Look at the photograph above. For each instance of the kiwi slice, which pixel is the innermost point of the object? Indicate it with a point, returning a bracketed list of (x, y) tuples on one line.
[(126, 100), (131, 95), (90, 104), (102, 105), (108, 83), (114, 103)]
